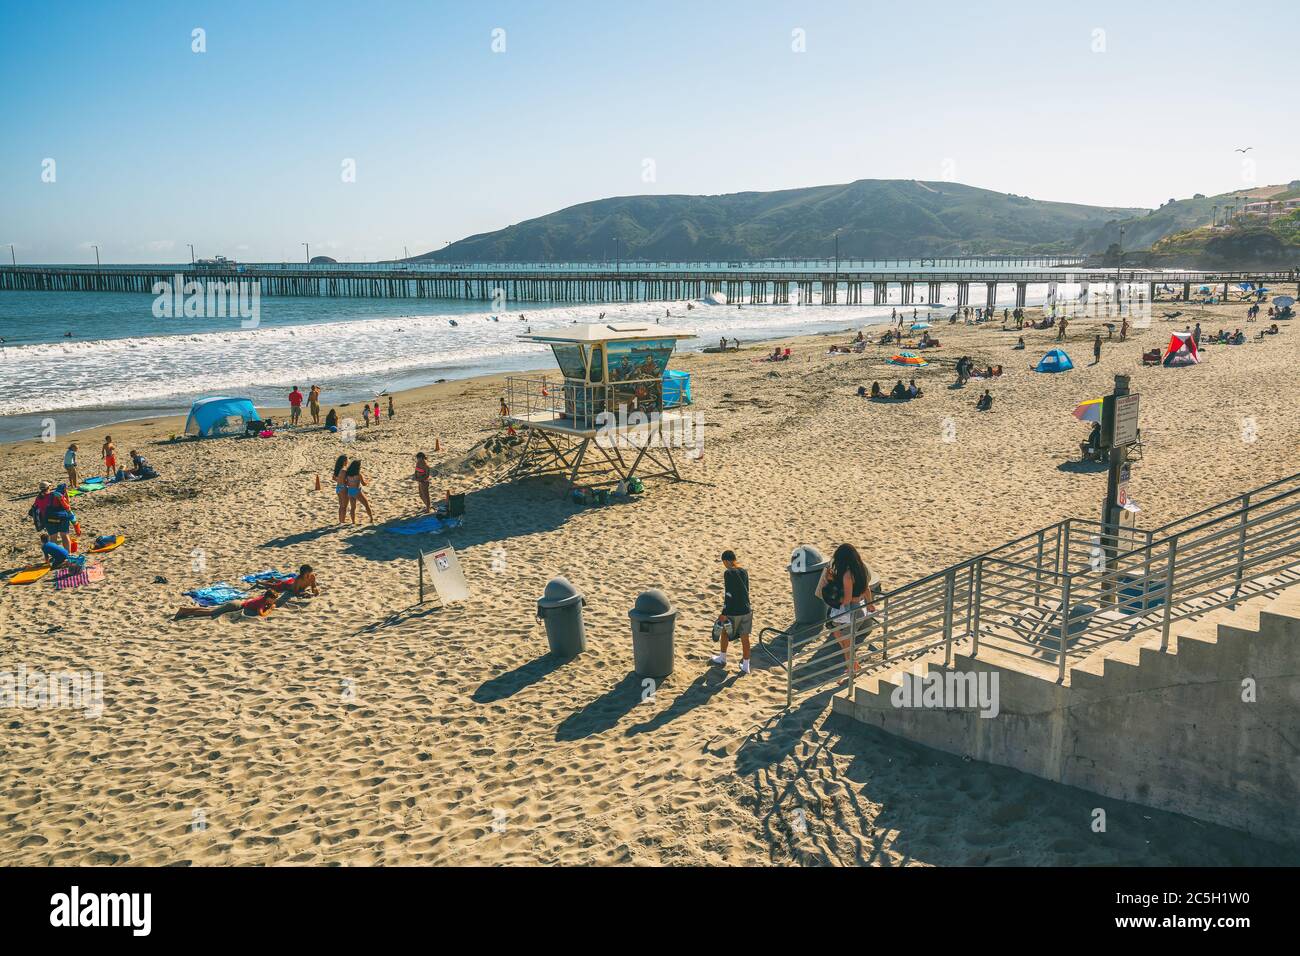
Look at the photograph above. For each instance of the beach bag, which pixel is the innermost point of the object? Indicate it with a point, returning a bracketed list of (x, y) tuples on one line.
[(833, 593), (635, 486)]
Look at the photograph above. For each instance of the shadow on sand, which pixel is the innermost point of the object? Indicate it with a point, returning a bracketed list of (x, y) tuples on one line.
[(512, 682)]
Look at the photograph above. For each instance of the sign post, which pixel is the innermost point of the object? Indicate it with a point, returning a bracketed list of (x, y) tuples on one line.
[(1119, 427)]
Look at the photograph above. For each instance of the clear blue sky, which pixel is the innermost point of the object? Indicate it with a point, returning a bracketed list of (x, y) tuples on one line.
[(239, 150)]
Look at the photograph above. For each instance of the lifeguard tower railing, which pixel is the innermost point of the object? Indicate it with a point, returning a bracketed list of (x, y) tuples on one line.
[(1062, 592), (577, 405)]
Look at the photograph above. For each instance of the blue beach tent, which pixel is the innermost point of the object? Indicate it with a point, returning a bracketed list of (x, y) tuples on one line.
[(677, 388), (210, 416), (1054, 361)]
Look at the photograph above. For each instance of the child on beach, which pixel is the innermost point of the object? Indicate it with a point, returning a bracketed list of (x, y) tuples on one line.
[(421, 478), (391, 411), (365, 412), (736, 622), (70, 465), (109, 452), (355, 481), (376, 411)]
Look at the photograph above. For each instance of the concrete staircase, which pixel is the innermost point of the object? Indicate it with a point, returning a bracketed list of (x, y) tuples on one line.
[(1209, 728)]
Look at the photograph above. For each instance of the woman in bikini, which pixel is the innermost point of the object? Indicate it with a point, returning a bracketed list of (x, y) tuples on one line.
[(340, 485), (421, 477), (854, 595), (355, 482)]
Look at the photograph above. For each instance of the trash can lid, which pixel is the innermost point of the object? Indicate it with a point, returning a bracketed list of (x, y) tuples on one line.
[(559, 592), (652, 604), (812, 559)]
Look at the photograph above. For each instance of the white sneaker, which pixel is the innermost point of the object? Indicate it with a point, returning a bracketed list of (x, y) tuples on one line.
[(719, 659), (744, 667)]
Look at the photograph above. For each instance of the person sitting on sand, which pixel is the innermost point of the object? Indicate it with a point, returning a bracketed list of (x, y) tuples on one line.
[(57, 556), (913, 390), (332, 420), (259, 606), (140, 468), (876, 391), (1020, 343), (985, 402), (899, 390)]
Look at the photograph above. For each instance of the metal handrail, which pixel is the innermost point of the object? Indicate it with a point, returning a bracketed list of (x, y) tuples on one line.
[(1058, 591)]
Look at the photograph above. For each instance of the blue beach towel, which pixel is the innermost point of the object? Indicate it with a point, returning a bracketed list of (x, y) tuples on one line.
[(428, 523), (215, 594), (261, 576)]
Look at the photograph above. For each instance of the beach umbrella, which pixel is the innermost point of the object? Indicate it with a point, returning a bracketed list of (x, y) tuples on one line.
[(921, 326), (1284, 301), (1204, 288), (908, 358), (1089, 411)]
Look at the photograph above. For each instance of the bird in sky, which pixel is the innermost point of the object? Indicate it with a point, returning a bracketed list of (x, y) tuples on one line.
[(1246, 150)]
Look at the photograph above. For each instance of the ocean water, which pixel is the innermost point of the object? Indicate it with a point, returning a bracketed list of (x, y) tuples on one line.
[(122, 363)]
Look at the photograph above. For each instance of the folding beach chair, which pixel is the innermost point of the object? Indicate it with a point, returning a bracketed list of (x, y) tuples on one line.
[(453, 507)]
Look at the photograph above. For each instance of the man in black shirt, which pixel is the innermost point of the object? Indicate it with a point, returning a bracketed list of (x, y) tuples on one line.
[(737, 618)]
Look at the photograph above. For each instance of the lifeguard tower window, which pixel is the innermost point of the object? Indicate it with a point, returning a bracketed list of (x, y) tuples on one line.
[(571, 360), (597, 365)]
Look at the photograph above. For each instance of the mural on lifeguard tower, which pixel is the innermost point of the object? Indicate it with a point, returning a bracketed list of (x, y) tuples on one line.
[(629, 361)]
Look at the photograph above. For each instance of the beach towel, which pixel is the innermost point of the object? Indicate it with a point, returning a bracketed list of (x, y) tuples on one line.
[(261, 576), (428, 523), (214, 594), (72, 577)]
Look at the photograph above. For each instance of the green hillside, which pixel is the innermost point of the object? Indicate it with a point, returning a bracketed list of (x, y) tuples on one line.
[(874, 218)]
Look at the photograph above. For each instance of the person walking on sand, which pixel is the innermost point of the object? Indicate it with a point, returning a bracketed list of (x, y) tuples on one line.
[(70, 465), (355, 482), (295, 406), (1096, 349), (109, 452), (845, 586), (737, 615), (341, 485), (375, 413), (313, 404), (421, 479), (1123, 329)]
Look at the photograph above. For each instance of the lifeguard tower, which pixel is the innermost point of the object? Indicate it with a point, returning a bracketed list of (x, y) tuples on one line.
[(614, 412)]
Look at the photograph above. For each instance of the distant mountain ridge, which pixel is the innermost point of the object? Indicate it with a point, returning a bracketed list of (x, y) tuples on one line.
[(872, 217)]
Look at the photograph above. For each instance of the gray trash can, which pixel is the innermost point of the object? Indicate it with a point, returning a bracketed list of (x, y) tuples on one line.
[(653, 618), (560, 606), (806, 567)]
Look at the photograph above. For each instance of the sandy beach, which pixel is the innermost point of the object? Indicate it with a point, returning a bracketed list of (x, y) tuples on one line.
[(361, 728)]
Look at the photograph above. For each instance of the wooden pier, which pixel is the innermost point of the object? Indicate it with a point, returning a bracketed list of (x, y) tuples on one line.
[(635, 282)]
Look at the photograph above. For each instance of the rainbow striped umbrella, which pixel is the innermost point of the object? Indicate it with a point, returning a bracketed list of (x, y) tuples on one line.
[(907, 357), (1089, 411)]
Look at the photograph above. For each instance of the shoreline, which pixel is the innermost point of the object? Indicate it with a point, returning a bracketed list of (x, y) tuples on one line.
[(176, 420)]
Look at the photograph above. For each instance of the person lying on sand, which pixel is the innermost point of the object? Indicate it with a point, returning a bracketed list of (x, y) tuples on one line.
[(300, 585), (259, 606)]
